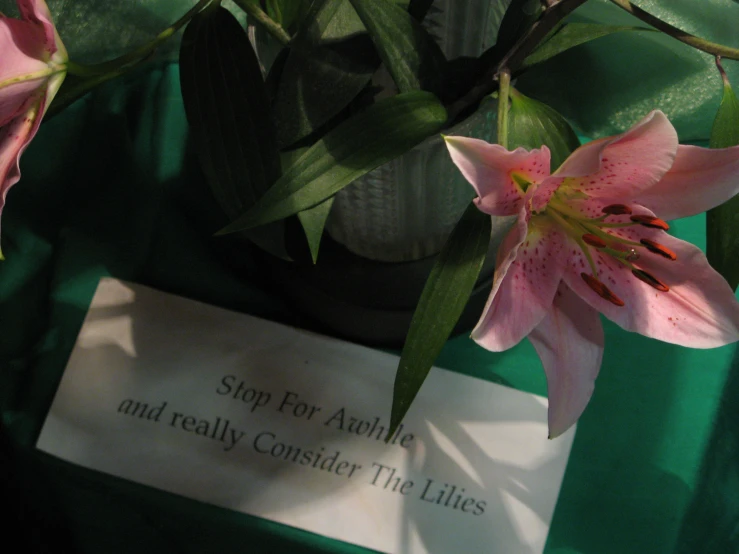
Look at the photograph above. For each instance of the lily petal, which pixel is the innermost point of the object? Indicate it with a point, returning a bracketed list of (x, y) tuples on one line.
[(619, 166), (488, 168), (569, 342), (21, 66), (14, 138), (529, 269), (699, 179), (37, 13), (699, 310)]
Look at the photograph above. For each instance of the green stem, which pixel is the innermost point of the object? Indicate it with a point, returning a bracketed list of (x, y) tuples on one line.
[(722, 72), (504, 88), (275, 29), (140, 53), (691, 40)]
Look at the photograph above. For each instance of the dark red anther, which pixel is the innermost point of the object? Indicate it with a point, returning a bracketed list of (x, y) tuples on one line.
[(650, 280), (594, 240), (657, 248), (649, 221), (617, 209), (601, 290)]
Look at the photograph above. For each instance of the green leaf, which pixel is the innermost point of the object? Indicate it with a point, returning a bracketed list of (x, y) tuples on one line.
[(520, 15), (603, 86), (411, 56), (722, 222), (571, 35), (419, 8), (725, 130), (287, 13), (316, 22), (313, 221), (319, 79), (532, 124), (516, 18), (228, 112), (317, 83), (375, 136), (442, 301)]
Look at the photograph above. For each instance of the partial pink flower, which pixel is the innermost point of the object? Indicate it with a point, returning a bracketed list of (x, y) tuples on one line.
[(32, 68), (592, 237)]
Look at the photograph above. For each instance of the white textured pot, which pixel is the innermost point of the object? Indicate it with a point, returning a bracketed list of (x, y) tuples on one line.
[(405, 209)]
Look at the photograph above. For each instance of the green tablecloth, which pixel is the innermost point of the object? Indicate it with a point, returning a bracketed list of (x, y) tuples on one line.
[(111, 187)]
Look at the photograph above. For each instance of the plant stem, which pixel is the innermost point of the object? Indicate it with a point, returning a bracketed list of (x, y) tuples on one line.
[(139, 54), (721, 71), (696, 42), (275, 29), (504, 88)]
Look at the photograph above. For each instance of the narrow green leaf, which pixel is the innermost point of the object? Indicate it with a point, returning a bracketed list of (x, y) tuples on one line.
[(442, 301), (375, 136), (519, 16), (228, 112), (419, 8), (317, 83), (313, 220), (571, 35), (722, 222), (287, 13), (316, 21), (725, 130), (411, 56), (320, 78), (516, 18), (532, 124)]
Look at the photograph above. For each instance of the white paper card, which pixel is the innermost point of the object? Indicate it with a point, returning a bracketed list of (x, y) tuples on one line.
[(287, 425)]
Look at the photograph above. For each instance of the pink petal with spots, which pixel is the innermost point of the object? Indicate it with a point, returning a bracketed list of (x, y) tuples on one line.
[(37, 12), (488, 169), (700, 309), (21, 57), (700, 179), (621, 166), (14, 137), (569, 342), (528, 272)]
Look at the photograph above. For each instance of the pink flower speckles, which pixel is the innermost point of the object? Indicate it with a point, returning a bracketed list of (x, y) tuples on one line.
[(32, 68), (592, 238)]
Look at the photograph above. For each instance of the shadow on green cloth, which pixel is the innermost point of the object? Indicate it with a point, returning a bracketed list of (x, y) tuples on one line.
[(711, 523), (111, 188)]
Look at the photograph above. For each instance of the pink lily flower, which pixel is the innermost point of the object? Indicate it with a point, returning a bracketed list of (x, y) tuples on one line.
[(32, 68), (592, 237)]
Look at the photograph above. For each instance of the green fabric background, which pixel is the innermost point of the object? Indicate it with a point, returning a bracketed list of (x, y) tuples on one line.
[(111, 187)]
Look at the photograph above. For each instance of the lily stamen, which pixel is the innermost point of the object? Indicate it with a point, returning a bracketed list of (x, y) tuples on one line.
[(660, 249), (650, 221), (650, 280), (617, 209), (601, 290), (593, 240)]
